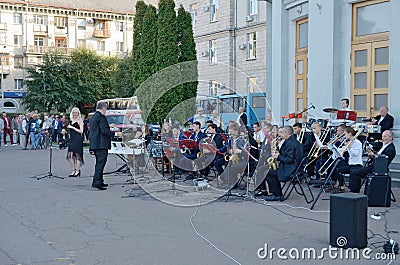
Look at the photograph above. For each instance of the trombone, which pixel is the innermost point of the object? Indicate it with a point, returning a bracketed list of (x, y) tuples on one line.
[(313, 154), (326, 166)]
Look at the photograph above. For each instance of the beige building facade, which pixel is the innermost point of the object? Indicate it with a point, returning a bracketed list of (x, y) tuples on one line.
[(29, 30)]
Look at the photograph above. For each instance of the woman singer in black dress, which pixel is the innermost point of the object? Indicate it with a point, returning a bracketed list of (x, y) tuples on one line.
[(75, 148)]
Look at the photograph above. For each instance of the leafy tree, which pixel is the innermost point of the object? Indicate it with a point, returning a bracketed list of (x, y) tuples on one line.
[(141, 9), (123, 78), (49, 84)]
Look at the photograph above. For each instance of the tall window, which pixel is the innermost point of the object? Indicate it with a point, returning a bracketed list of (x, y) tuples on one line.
[(213, 51), (301, 65), (214, 10), (193, 13), (370, 57), (100, 25), (251, 45), (82, 43), (61, 42), (119, 26), (38, 41), (18, 40), (17, 18), (101, 45), (253, 9), (40, 19), (18, 62), (252, 84), (120, 46), (213, 88), (60, 22), (3, 37), (82, 24), (18, 84)]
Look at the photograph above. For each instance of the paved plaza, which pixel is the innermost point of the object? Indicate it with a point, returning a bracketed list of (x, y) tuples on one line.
[(65, 221)]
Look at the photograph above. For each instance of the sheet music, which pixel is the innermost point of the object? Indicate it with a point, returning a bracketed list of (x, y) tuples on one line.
[(318, 141), (335, 151)]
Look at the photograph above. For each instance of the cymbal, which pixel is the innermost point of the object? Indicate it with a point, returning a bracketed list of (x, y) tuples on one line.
[(330, 110)]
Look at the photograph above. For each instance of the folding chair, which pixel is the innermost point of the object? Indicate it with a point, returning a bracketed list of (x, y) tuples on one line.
[(295, 183)]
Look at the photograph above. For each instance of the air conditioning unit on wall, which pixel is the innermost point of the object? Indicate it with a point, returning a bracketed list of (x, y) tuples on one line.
[(204, 53), (242, 46), (249, 18), (205, 8)]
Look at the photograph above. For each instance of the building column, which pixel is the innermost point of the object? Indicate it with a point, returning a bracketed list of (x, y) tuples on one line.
[(394, 77)]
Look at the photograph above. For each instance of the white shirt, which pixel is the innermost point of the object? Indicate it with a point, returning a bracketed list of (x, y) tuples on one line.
[(259, 136), (383, 148), (381, 119), (355, 153)]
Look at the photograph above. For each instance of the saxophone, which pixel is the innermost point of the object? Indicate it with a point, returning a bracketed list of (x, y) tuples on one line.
[(234, 158), (273, 164)]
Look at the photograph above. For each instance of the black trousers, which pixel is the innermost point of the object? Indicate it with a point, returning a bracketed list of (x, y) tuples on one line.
[(347, 169), (101, 160), (355, 178)]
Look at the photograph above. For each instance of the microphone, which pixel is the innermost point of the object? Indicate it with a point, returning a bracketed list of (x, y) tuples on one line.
[(312, 106)]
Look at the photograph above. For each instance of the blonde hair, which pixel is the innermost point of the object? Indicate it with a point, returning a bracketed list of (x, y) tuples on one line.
[(71, 115)]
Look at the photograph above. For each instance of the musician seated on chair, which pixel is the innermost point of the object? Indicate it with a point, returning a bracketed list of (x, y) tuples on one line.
[(289, 156), (317, 153), (388, 149), (354, 148), (191, 154), (385, 120), (235, 159), (172, 148), (303, 137)]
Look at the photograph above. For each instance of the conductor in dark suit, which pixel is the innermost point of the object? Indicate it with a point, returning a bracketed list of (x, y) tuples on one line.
[(100, 141), (289, 156), (385, 120), (388, 149)]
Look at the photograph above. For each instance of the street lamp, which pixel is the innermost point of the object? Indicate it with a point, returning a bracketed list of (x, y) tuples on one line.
[(2, 79)]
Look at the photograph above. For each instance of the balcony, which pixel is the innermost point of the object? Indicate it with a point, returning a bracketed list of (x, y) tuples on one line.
[(45, 49), (40, 28), (101, 33)]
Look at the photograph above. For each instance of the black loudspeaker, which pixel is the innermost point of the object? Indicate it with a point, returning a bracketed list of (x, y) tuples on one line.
[(378, 189), (348, 220), (380, 165)]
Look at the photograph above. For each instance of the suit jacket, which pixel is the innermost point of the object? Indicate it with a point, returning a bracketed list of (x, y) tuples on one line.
[(5, 123), (386, 123), (290, 156), (59, 125), (100, 134), (390, 152), (243, 119)]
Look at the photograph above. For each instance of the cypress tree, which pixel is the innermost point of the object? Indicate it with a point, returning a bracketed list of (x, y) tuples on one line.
[(141, 8), (187, 52), (167, 55)]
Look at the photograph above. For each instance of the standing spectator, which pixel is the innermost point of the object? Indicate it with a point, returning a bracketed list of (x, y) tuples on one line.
[(23, 131), (242, 118), (200, 116), (14, 128), (85, 127), (75, 148), (100, 142), (57, 127), (46, 123), (7, 129), (34, 131)]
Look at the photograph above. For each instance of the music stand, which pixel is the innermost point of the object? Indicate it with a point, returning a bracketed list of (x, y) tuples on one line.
[(50, 173)]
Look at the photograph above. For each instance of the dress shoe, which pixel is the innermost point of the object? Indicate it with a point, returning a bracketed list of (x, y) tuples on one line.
[(100, 187), (104, 185), (272, 198), (77, 173), (262, 193)]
